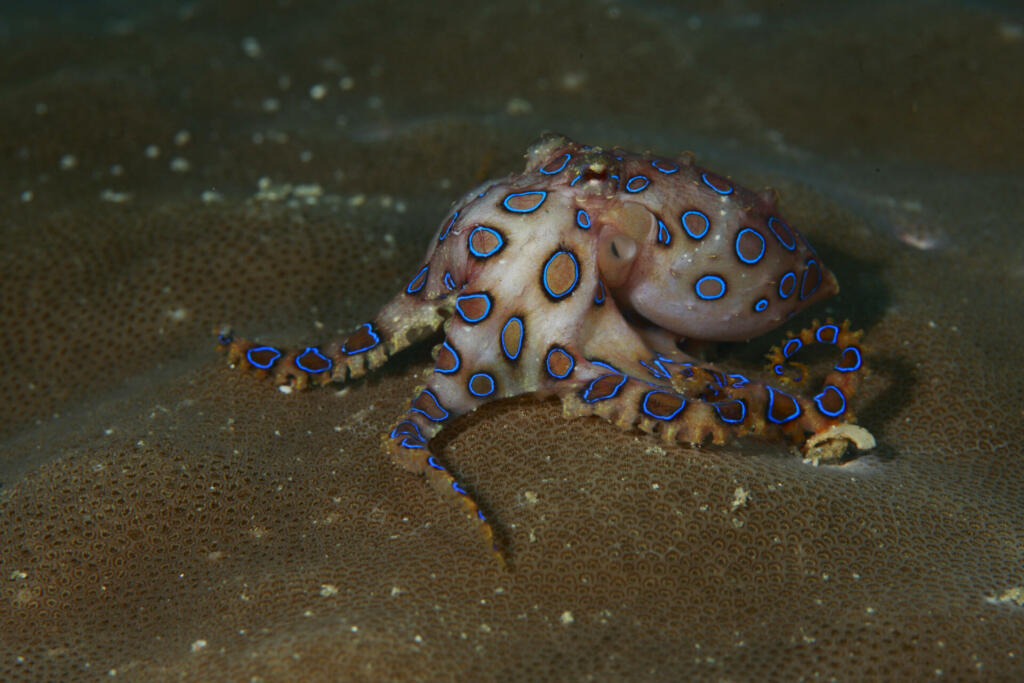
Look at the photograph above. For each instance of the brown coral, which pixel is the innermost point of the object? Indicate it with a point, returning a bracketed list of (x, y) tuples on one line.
[(162, 516)]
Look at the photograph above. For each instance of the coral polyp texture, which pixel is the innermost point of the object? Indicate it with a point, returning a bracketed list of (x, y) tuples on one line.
[(584, 277), (166, 168)]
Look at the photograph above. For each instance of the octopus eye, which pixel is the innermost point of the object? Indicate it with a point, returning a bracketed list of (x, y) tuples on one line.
[(616, 254)]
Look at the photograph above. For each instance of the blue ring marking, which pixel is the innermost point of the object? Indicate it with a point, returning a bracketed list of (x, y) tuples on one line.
[(543, 196), (738, 381), (575, 280), (480, 515), (450, 224), (641, 186), (761, 305), (433, 463), (485, 254), (707, 223), (791, 276), (835, 333), (455, 355), (561, 168), (395, 432), (409, 289), (547, 362), (787, 352), (713, 278), (664, 236), (791, 244), (315, 352), (369, 330), (248, 356), (803, 279), (437, 403), (779, 369), (733, 421), (671, 168), (727, 190), (771, 404), (590, 387), (657, 371), (483, 394), (501, 337), (857, 365), (583, 219), (678, 410), (458, 489), (756, 234), (466, 297), (819, 399), (406, 443), (599, 297), (449, 282), (576, 180), (607, 366)]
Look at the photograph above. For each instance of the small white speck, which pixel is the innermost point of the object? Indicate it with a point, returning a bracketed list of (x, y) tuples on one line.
[(151, 151), (327, 590), (573, 81), (357, 200), (270, 104), (182, 138), (117, 170), (418, 638), (197, 645), (68, 162), (306, 191), (251, 47), (318, 91), (115, 197), (566, 618), (178, 314), (347, 83), (211, 196), (531, 497), (306, 156), (285, 389), (739, 498), (517, 106), (180, 165), (27, 196)]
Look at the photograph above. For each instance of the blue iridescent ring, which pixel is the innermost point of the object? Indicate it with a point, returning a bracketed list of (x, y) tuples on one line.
[(313, 371)]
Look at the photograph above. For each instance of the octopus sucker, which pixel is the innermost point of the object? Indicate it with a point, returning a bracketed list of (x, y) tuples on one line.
[(586, 277)]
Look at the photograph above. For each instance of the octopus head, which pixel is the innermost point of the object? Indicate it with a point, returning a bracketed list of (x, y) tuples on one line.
[(730, 286)]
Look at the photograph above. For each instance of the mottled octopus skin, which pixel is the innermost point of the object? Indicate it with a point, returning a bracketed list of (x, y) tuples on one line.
[(581, 277)]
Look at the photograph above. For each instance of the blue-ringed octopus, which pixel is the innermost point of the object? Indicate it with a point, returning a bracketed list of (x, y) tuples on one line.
[(586, 276)]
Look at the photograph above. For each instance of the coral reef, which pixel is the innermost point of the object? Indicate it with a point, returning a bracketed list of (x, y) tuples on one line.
[(281, 166)]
